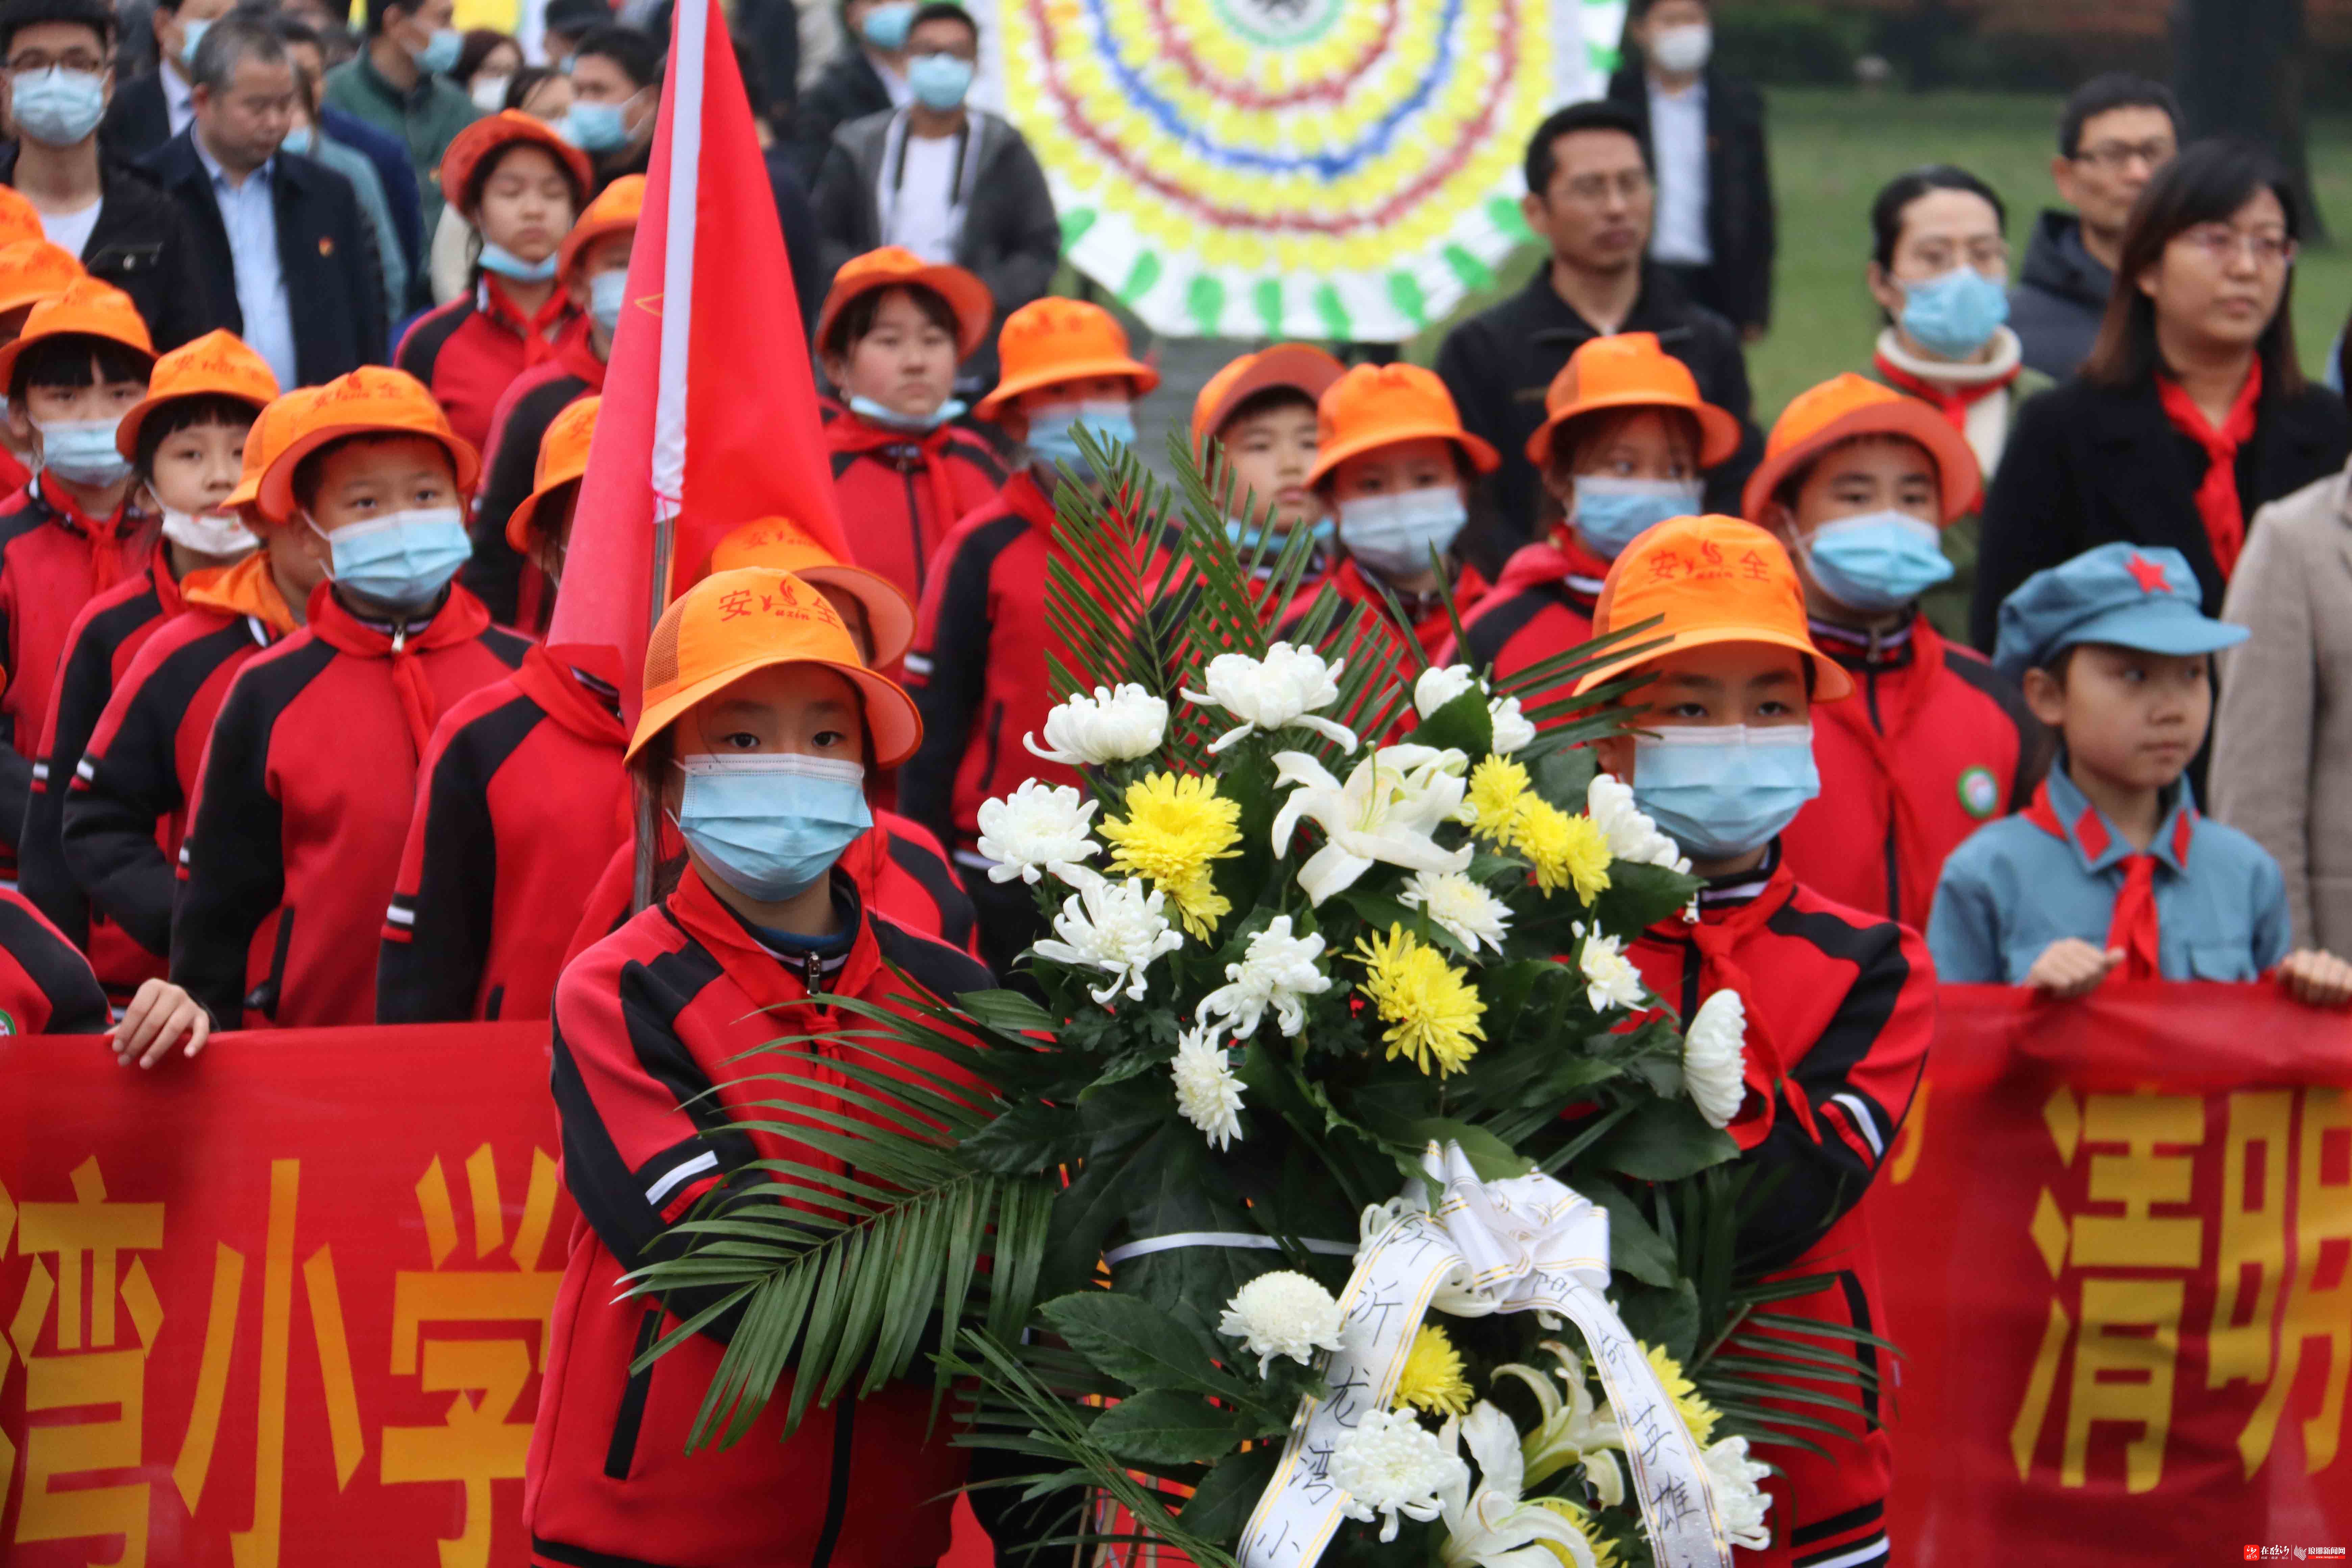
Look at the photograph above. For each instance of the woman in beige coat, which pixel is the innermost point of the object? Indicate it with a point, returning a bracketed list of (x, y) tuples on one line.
[(2283, 734)]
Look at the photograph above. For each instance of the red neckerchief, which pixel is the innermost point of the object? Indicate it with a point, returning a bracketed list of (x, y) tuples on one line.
[(106, 539), (577, 355), (1953, 402), (546, 681), (1432, 628), (766, 979), (1886, 750), (848, 432), (245, 589), (1575, 561), (168, 602), (460, 619), (539, 330), (2133, 927), (1718, 936), (2217, 495)]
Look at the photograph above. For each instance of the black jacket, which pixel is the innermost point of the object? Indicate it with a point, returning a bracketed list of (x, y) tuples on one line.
[(1740, 227), (848, 89), (138, 120), (2060, 297), (803, 246), (142, 244), (1498, 364), (334, 286), (2090, 465)]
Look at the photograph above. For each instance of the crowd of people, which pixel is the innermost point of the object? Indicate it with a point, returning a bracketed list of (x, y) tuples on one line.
[(304, 336)]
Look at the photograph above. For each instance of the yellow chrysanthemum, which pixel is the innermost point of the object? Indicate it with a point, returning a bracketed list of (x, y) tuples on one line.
[(1498, 793), (1604, 1550), (1696, 1413), (1430, 1007), (1563, 849), (1174, 827), (1433, 1378)]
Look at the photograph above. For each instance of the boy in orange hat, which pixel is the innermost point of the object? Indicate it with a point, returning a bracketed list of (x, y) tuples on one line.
[(907, 466), (1624, 442), (1857, 481), (31, 270), (593, 266), (311, 772), (979, 665), (1257, 417), (1833, 1007), (81, 363), (185, 443)]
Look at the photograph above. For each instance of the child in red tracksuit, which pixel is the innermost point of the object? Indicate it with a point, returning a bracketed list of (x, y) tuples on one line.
[(1856, 481), (906, 466), (1257, 418), (755, 736), (48, 988), (125, 810), (186, 444), (310, 773), (81, 363), (31, 270), (979, 665), (1837, 1005)]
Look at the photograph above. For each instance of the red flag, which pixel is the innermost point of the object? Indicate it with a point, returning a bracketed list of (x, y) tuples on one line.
[(709, 416)]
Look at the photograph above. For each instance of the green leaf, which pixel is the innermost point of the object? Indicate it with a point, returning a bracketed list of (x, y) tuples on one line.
[(1634, 1246), (1130, 1339), (1641, 896), (1493, 1159), (1462, 724), (1667, 1317), (1008, 1010), (1664, 1140), (1161, 1426), (1565, 777), (1224, 1499), (1027, 1138)]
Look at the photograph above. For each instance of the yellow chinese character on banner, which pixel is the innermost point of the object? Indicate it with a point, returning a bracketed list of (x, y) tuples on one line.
[(478, 1442), (2318, 1320)]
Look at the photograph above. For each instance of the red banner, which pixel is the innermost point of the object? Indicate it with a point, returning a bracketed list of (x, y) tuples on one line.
[(2118, 1243)]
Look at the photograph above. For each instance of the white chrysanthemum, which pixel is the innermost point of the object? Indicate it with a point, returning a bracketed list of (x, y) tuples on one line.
[(1461, 906), (1278, 971), (1391, 1465), (1441, 684), (1610, 978), (1282, 1314), (1208, 1095), (1037, 829), (1117, 725), (1738, 1497), (1632, 835), (1113, 926), (1283, 687), (1514, 732), (1714, 1057)]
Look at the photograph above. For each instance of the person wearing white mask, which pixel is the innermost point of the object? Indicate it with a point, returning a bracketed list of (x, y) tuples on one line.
[(399, 84), (152, 108), (485, 65), (1715, 229)]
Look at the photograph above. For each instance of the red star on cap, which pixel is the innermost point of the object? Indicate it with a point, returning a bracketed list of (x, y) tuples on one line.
[(2147, 574)]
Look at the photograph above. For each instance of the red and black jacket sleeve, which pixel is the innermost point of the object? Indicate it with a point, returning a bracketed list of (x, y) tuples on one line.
[(420, 347), (494, 573), (947, 670), (234, 862), (16, 747), (46, 987), (920, 869)]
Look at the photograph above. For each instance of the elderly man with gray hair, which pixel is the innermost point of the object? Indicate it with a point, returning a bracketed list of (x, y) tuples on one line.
[(281, 246)]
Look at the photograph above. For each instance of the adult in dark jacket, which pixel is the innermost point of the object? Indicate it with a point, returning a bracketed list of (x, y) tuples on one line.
[(616, 75), (1590, 195), (2191, 411), (1715, 227), (2116, 133), (388, 154), (867, 77), (156, 105)]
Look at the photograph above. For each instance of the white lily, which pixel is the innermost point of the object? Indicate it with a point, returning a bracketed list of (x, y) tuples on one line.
[(1115, 724), (1714, 1057), (1574, 1431), (1278, 971), (1113, 926), (1493, 1526), (1441, 684), (1037, 828), (1285, 688), (1385, 813)]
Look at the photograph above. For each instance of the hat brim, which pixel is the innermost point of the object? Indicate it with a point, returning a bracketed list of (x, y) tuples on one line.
[(1831, 682), (518, 522), (1959, 482), (974, 307), (15, 347), (890, 618), (2166, 626), (1483, 458), (135, 418), (1719, 432), (1308, 371), (21, 298), (454, 179), (1145, 377), (584, 235), (275, 495), (891, 720)]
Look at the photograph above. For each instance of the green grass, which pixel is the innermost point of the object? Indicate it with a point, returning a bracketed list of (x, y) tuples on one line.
[(1830, 152)]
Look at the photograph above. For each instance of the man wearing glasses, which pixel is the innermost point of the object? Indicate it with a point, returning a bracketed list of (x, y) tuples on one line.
[(2116, 133)]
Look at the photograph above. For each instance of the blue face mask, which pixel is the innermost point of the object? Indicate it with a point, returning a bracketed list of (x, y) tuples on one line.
[(300, 141), (1394, 534), (82, 451), (593, 127), (1247, 536), (607, 293), (57, 107), (1881, 560), (889, 418), (885, 26), (1720, 791), (191, 35), (1956, 314), (439, 55), (1053, 431), (1607, 511), (403, 560), (938, 81), (498, 258), (771, 825)]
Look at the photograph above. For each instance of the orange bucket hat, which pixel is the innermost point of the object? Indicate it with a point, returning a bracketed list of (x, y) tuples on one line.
[(1381, 405), (894, 268), (217, 364), (1848, 405), (1712, 580), (19, 218), (733, 623), (562, 460), (1052, 340), (1629, 370), (370, 401), (32, 271), (83, 308), (272, 428), (485, 138), (619, 207), (1299, 366), (785, 545)]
